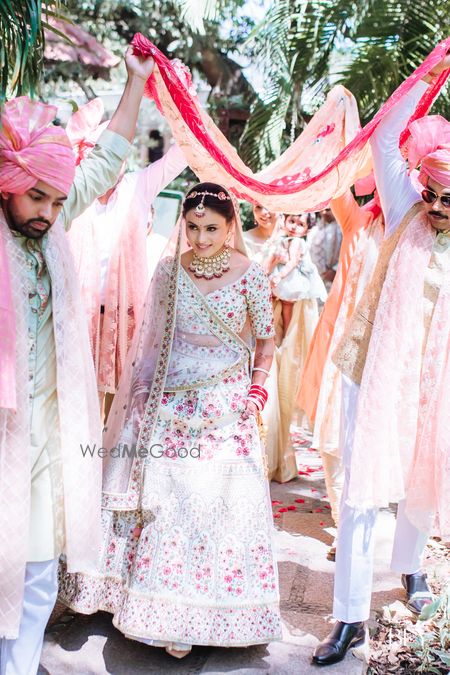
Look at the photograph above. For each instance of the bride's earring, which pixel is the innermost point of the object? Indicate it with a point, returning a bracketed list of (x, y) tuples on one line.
[(228, 238)]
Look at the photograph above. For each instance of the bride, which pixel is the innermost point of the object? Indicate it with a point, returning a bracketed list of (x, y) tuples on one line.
[(187, 555)]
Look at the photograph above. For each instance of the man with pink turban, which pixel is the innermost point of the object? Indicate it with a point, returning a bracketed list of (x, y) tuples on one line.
[(395, 363), (50, 490)]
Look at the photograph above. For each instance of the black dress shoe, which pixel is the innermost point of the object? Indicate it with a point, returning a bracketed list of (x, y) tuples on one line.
[(417, 591), (336, 645)]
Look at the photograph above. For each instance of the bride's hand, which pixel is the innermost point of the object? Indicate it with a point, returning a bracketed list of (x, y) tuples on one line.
[(249, 410)]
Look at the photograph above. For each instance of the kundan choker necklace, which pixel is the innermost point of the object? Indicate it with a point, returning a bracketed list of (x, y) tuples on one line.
[(213, 267)]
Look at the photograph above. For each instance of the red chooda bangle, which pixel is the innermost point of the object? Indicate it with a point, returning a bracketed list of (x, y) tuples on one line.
[(260, 391)]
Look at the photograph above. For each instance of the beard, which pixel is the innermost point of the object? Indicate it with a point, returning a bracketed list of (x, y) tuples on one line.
[(27, 230), (34, 228)]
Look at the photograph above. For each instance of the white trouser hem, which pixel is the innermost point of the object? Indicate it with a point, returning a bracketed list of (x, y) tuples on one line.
[(355, 545), (21, 656)]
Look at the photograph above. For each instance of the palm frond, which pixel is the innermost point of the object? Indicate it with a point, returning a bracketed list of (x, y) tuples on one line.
[(195, 12), (261, 139), (370, 46), (389, 42), (293, 43), (22, 43)]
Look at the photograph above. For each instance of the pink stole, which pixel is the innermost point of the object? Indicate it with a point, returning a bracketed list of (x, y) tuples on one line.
[(402, 440), (7, 335)]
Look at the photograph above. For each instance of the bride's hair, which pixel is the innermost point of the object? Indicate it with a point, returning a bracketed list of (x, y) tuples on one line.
[(217, 199)]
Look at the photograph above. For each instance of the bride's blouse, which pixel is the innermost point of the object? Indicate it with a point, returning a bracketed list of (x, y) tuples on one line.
[(248, 296)]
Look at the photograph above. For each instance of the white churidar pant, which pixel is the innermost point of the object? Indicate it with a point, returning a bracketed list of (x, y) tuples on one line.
[(21, 656), (355, 540), (334, 481)]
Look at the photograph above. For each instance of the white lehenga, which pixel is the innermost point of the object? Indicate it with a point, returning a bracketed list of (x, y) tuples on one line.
[(194, 565)]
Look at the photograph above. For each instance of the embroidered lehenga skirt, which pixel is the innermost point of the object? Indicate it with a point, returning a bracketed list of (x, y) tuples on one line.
[(195, 565)]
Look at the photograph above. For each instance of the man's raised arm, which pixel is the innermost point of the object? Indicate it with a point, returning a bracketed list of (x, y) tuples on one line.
[(396, 191), (100, 170)]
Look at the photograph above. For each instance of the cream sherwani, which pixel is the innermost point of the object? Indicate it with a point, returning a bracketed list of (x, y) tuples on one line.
[(46, 536)]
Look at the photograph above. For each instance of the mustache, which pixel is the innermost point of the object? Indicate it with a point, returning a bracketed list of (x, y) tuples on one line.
[(38, 220), (437, 213)]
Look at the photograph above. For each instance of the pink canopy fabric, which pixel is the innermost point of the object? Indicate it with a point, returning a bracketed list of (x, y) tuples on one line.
[(429, 148), (312, 171), (84, 128)]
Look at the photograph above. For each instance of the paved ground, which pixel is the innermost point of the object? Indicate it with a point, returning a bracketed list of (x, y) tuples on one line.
[(91, 646)]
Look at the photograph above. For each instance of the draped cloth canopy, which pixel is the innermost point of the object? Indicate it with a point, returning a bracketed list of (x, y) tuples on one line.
[(325, 160)]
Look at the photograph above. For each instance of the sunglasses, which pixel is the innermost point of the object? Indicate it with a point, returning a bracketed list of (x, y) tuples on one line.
[(430, 196)]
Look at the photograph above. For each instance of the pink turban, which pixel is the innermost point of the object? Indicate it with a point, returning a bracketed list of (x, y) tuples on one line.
[(84, 128), (429, 147), (32, 148)]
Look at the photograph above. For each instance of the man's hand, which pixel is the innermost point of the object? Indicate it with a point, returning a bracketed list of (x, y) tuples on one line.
[(139, 69), (439, 68), (329, 275), (138, 66)]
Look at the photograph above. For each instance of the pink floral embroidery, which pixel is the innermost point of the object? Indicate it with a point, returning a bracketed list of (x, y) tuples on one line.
[(231, 570), (172, 560), (263, 572)]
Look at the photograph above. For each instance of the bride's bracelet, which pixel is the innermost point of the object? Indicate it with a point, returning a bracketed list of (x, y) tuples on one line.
[(257, 402), (259, 390), (258, 395), (262, 370)]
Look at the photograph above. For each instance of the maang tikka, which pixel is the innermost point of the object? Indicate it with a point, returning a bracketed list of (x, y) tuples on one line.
[(199, 210)]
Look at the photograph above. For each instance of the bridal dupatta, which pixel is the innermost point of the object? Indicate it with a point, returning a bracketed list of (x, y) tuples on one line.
[(325, 160), (182, 344)]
